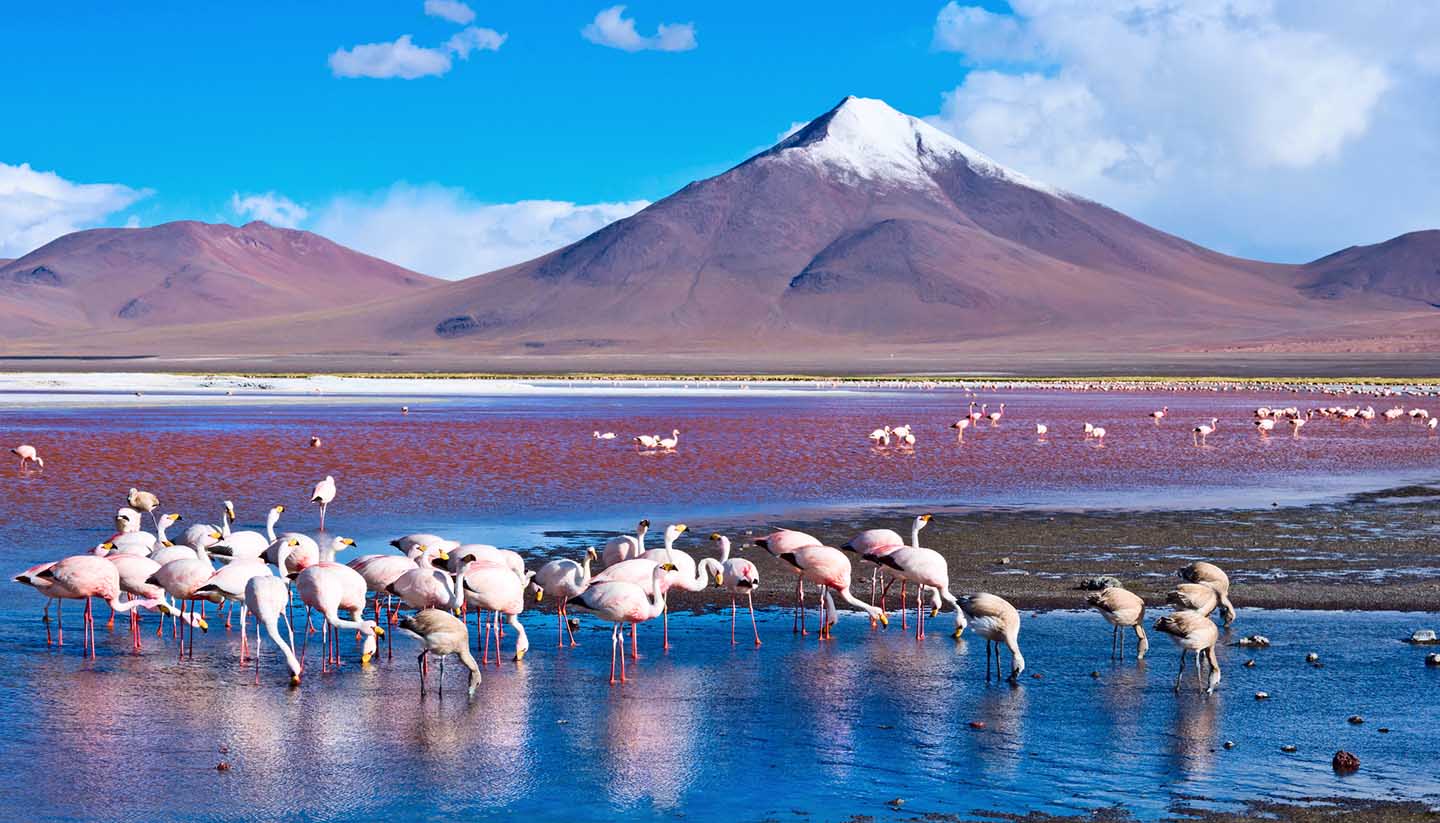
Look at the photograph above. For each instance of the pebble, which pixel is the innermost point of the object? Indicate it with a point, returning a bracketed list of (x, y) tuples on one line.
[(1038, 676), (1250, 664), (896, 803), (1262, 695), (1229, 744), (1101, 583), (1432, 659), (1312, 657), (1288, 748), (1345, 763), (222, 766), (977, 724), (1356, 719), (1095, 675)]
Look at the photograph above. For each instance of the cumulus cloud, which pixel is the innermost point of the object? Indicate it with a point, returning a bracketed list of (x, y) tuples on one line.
[(275, 209), (442, 231), (1220, 120), (39, 206), (611, 28), (452, 10), (403, 59)]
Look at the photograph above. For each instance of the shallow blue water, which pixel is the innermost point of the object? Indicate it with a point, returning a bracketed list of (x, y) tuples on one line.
[(796, 730)]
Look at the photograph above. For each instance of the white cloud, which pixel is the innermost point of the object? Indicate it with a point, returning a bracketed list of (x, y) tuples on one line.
[(39, 206), (1284, 127), (473, 38), (401, 58), (452, 10), (405, 60), (275, 209), (442, 231), (611, 28)]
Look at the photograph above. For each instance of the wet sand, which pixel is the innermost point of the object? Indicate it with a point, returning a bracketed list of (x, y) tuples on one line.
[(1378, 550)]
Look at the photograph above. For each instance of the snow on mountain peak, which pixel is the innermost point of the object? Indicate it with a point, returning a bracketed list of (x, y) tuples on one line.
[(869, 139)]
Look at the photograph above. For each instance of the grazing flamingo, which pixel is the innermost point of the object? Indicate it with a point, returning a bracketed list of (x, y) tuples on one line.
[(1211, 574), (329, 587), (563, 579), (960, 426), (135, 573), (314, 442), (180, 578), (423, 587), (621, 602), (1041, 429), (1098, 434), (998, 622), (422, 541), (143, 501), (27, 454), (1432, 423), (786, 540), (268, 598), (1265, 426), (872, 543), (324, 492), (624, 547), (460, 555), (1204, 430), (1295, 424), (647, 441), (923, 567), (1196, 597), (880, 437), (1121, 608), (829, 568), (83, 576), (1195, 632), (1157, 416), (441, 634), (669, 443), (604, 436), (901, 431), (738, 575), (491, 587)]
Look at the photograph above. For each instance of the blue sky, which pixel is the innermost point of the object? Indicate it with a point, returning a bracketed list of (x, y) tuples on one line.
[(189, 108)]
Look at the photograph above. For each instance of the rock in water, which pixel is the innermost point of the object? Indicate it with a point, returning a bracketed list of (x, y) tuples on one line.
[(1432, 659), (1101, 583), (1257, 641), (1424, 636), (1345, 763)]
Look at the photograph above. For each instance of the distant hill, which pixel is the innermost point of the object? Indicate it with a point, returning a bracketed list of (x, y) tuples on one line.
[(1407, 267)]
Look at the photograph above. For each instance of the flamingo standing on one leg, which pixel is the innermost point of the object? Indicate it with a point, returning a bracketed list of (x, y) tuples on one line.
[(998, 622), (1193, 632), (324, 493), (563, 579), (1121, 608)]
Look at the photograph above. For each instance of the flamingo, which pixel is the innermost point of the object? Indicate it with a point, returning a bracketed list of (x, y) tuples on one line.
[(130, 540), (1204, 430), (829, 568), (268, 598), (995, 416), (960, 426), (787, 540), (27, 454), (423, 587), (1197, 597), (1121, 608), (314, 442), (738, 575), (180, 578), (229, 584), (249, 545), (624, 547), (460, 555), (324, 492), (421, 541), (1195, 632), (1295, 424), (669, 443), (83, 576), (1159, 415), (1202, 572), (1432, 423), (381, 570), (441, 634), (1098, 433), (923, 567), (901, 432), (304, 552), (647, 441), (329, 587), (998, 622), (603, 435), (621, 602), (975, 416), (1041, 429), (143, 501), (880, 437), (1265, 426), (491, 587), (563, 579), (31, 577)]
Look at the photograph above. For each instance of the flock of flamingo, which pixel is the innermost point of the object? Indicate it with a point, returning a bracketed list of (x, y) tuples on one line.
[(1265, 421), (430, 583)]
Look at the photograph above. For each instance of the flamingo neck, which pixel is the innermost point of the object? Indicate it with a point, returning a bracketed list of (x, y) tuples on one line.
[(915, 535), (585, 569), (270, 524), (657, 593), (724, 549), (160, 538)]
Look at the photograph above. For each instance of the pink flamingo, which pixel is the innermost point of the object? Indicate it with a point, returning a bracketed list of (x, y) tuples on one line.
[(27, 454), (31, 577), (923, 567), (84, 576), (324, 493), (960, 426), (738, 576), (268, 598), (829, 568), (624, 547), (490, 587), (784, 541), (620, 602), (135, 573), (563, 579), (180, 578), (329, 587)]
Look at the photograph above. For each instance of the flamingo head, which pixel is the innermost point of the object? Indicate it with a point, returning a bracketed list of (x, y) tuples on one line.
[(591, 553), (229, 511)]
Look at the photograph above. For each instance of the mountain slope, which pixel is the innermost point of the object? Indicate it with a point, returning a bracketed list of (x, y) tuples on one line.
[(187, 273), (1407, 267)]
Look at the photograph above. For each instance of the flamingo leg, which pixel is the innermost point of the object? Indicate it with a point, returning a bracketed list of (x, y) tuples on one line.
[(441, 687), (615, 637), (560, 627), (753, 625), (60, 622), (634, 646), (733, 609), (903, 606), (1182, 670), (257, 652), (110, 624), (568, 630), (420, 662), (45, 618)]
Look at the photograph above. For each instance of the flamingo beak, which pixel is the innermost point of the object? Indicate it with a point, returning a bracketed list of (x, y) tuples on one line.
[(539, 594), (884, 621), (167, 543), (294, 680), (379, 632), (520, 654), (216, 536), (204, 626), (681, 527), (444, 556), (719, 579), (279, 508), (365, 659), (958, 632)]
